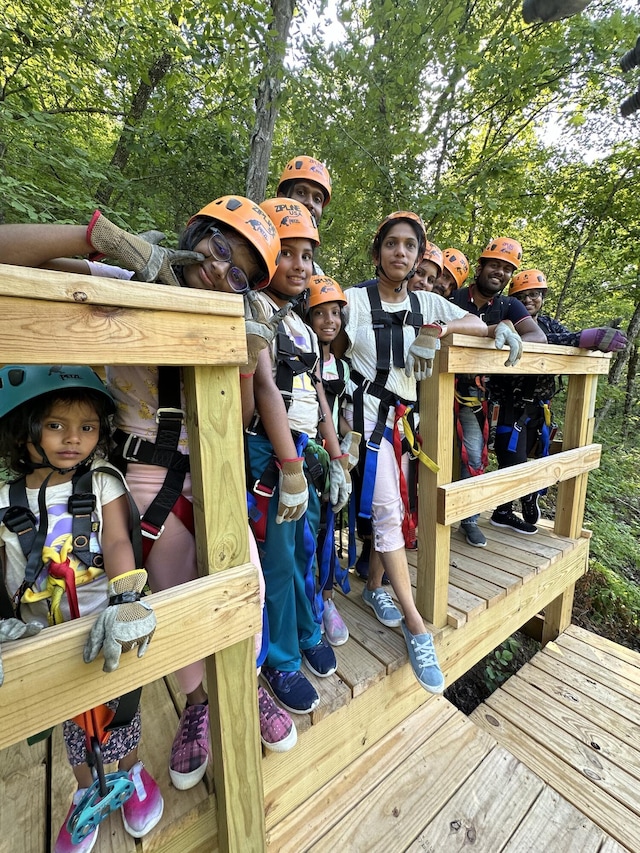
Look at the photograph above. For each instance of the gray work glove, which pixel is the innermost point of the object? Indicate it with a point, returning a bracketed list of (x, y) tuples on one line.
[(261, 325), (148, 261), (293, 491), (350, 445), (340, 482), (15, 629), (126, 624), (606, 339), (419, 360), (506, 335)]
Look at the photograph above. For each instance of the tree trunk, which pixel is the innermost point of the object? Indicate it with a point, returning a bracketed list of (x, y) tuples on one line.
[(138, 106), (267, 105)]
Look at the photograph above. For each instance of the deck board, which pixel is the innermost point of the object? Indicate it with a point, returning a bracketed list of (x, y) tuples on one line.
[(565, 716)]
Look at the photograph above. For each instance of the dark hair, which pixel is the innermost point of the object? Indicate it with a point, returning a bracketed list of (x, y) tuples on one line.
[(24, 424), (384, 230), (199, 229)]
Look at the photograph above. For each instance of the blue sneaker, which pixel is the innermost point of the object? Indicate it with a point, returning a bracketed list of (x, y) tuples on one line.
[(320, 659), (383, 606), (292, 690), (422, 656)]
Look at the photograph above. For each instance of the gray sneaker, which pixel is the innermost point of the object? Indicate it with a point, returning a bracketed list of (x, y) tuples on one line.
[(473, 534), (382, 604)]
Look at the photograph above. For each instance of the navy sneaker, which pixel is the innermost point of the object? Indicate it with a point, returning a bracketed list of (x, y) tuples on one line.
[(292, 690), (514, 522), (320, 659)]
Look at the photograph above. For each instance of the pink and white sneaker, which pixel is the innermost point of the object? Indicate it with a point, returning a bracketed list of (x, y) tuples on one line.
[(335, 630), (64, 844), (142, 811)]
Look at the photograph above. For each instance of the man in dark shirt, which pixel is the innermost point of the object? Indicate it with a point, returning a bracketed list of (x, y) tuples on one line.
[(482, 297)]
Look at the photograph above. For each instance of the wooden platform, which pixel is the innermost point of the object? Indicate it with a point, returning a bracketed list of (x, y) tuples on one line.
[(572, 715), (374, 691)]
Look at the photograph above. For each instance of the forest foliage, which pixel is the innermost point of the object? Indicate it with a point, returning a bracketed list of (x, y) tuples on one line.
[(456, 109)]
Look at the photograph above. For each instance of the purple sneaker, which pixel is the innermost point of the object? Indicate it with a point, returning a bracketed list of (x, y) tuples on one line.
[(190, 750), (142, 811), (277, 730)]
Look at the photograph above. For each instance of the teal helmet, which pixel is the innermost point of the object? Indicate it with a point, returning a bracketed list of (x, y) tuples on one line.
[(20, 383)]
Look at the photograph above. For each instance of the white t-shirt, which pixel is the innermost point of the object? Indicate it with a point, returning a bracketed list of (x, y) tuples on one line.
[(304, 412), (362, 344), (92, 596)]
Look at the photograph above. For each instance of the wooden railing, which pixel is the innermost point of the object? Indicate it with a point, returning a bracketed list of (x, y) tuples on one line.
[(58, 318), (443, 501)]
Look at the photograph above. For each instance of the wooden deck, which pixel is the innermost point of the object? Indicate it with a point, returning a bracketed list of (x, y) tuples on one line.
[(572, 715), (373, 675)]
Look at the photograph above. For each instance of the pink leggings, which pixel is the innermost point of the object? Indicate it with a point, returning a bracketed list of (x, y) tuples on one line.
[(172, 560)]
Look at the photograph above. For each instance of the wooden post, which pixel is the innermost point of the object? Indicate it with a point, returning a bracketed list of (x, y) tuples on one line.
[(436, 429), (220, 505)]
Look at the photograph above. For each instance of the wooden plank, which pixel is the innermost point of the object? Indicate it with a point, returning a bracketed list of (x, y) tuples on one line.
[(24, 798), (487, 808), (466, 601), (586, 643), (600, 715), (455, 618), (608, 813), (194, 620), (504, 581), (357, 667), (528, 544), (612, 678), (333, 692), (72, 288), (552, 823), (455, 357), (342, 794), (599, 737), (436, 408), (584, 683), (563, 748), (490, 592), (115, 335), (464, 497), (409, 792), (498, 555), (609, 845)]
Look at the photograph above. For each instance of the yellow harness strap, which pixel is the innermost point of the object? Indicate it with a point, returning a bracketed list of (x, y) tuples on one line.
[(416, 451)]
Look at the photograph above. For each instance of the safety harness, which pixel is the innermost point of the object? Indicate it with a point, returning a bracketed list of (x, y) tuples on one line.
[(389, 339), (164, 453), (109, 790), (526, 402)]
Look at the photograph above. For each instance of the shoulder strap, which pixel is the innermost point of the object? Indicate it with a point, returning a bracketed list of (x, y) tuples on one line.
[(291, 361)]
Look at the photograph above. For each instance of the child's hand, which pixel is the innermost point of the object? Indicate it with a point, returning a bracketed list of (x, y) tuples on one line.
[(350, 445), (293, 492), (125, 624), (14, 629)]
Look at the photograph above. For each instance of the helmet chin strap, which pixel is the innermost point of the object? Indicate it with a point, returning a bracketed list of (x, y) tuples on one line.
[(406, 279), (46, 464)]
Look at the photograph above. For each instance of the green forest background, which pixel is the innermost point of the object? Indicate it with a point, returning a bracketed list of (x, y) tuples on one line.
[(458, 110)]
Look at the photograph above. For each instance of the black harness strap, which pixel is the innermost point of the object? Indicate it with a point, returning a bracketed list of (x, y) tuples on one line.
[(291, 362), (334, 388), (163, 452)]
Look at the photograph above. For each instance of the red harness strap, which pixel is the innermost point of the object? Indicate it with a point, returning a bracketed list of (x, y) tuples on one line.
[(409, 522)]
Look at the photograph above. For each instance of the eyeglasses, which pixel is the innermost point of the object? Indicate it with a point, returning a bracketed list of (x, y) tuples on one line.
[(220, 249), (529, 294)]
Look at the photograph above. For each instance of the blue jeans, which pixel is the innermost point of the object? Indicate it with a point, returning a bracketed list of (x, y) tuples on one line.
[(283, 554), (474, 445)]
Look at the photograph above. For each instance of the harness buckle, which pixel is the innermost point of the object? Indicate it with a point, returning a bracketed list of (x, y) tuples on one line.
[(259, 489), (131, 455), (150, 531), (169, 413), (374, 447)]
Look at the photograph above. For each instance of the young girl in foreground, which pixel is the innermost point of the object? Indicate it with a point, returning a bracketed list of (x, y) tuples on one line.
[(54, 428)]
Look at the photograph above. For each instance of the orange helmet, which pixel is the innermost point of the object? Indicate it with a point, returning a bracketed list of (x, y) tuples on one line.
[(504, 249), (291, 219), (400, 215), (457, 264), (434, 254), (249, 220), (308, 169), (528, 280), (324, 289)]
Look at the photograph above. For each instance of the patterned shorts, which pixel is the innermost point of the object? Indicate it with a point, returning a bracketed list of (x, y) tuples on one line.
[(120, 742)]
